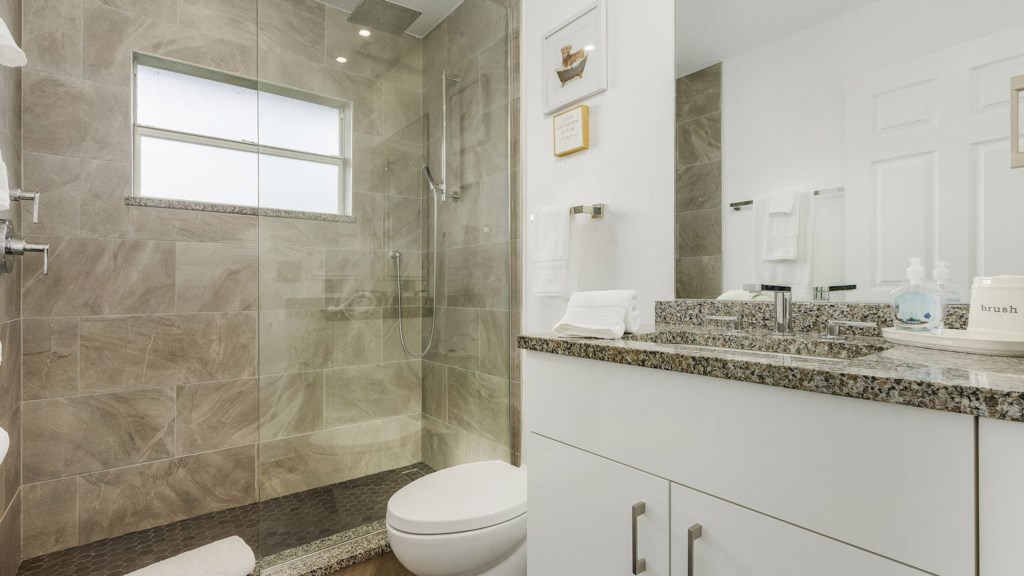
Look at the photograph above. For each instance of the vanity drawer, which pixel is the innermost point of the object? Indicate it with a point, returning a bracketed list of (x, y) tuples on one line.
[(893, 480)]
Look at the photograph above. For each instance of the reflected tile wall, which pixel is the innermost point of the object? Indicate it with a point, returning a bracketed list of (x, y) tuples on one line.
[(698, 197), (11, 324)]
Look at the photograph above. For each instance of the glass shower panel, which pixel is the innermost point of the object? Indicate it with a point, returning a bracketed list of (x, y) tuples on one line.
[(347, 415)]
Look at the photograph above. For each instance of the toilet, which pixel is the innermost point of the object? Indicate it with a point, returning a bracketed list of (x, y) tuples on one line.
[(468, 520)]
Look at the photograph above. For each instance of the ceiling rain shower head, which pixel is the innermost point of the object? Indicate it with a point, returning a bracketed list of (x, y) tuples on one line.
[(384, 16)]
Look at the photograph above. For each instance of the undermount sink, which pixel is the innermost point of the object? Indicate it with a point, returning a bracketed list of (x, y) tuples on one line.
[(798, 344)]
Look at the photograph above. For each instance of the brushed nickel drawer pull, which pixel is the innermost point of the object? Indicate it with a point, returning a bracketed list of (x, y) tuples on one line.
[(639, 564), (692, 534)]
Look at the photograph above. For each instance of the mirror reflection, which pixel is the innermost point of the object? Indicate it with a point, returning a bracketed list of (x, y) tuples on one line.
[(820, 145)]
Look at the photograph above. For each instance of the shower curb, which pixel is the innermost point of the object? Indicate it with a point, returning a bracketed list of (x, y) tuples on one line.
[(330, 560)]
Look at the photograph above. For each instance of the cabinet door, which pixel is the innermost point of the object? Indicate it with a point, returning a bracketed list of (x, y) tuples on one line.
[(735, 541), (1000, 505), (581, 514)]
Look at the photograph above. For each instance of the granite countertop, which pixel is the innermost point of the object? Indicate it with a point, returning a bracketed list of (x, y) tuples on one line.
[(988, 386)]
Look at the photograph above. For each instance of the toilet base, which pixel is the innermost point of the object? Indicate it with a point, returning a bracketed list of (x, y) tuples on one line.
[(514, 565)]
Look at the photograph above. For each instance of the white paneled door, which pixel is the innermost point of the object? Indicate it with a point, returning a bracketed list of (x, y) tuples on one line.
[(927, 166)]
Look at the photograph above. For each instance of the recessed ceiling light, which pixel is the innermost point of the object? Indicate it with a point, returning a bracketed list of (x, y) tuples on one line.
[(364, 33), (589, 47), (341, 59)]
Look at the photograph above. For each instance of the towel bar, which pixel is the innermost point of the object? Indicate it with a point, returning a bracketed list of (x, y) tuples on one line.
[(737, 205), (595, 211)]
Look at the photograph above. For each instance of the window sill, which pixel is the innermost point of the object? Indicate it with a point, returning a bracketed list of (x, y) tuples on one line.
[(233, 209)]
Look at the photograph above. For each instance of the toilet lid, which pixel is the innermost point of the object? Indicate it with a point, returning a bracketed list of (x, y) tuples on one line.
[(458, 499)]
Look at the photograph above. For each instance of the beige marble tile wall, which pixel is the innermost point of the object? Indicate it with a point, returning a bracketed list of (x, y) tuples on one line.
[(698, 228), (10, 313), (466, 375), (167, 352)]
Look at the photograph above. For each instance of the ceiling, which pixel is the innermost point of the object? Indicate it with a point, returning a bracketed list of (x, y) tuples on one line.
[(709, 31), (434, 11)]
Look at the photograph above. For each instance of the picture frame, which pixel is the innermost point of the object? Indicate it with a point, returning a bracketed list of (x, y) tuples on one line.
[(571, 130), (1016, 95), (574, 58)]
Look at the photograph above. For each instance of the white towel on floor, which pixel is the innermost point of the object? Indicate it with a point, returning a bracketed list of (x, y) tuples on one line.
[(10, 54), (782, 221), (227, 557), (799, 241), (607, 314), (549, 253)]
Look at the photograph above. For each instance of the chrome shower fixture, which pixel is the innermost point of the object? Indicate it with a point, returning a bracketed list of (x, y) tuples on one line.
[(384, 16)]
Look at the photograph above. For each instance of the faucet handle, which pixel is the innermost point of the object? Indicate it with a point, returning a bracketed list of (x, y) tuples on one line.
[(766, 288), (735, 322), (834, 326)]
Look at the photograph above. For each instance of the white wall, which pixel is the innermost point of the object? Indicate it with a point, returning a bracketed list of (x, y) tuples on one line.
[(782, 109), (629, 165)]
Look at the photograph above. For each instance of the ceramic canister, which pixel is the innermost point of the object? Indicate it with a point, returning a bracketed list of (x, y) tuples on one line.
[(997, 304)]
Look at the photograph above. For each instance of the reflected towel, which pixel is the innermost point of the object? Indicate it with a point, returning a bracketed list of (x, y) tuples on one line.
[(782, 223), (227, 557), (607, 314), (549, 253), (795, 271), (10, 54)]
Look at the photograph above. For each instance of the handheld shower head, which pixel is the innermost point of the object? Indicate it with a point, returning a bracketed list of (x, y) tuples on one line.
[(434, 188)]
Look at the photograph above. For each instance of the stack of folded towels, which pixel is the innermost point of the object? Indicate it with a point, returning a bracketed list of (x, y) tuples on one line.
[(607, 314)]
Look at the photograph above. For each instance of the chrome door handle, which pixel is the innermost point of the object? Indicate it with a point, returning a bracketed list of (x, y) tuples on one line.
[(695, 532), (639, 564)]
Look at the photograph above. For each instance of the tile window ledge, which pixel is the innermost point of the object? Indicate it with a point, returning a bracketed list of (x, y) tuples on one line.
[(234, 209)]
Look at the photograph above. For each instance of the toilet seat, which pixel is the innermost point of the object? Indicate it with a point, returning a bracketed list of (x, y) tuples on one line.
[(460, 499)]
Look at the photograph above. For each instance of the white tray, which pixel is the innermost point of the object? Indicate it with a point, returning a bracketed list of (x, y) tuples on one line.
[(976, 342)]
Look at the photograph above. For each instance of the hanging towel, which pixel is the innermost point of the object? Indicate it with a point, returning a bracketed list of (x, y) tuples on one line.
[(5, 189), (781, 226), (787, 235), (227, 557), (549, 253), (608, 314), (10, 54)]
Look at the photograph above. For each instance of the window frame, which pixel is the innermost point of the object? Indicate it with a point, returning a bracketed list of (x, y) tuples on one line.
[(343, 161)]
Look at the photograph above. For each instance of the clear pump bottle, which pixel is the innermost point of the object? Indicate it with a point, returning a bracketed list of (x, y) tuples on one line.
[(918, 303), (954, 293)]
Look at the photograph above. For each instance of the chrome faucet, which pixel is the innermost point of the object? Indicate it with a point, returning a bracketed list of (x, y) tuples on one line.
[(783, 305)]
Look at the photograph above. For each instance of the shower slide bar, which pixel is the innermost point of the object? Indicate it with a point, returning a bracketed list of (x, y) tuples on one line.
[(737, 205)]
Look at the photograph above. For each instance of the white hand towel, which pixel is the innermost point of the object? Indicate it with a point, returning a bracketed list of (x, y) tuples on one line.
[(10, 54), (5, 188), (227, 557), (5, 444), (608, 314), (795, 272), (781, 225), (549, 252)]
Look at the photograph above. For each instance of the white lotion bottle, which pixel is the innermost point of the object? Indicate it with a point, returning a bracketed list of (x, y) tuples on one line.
[(918, 303), (954, 293)]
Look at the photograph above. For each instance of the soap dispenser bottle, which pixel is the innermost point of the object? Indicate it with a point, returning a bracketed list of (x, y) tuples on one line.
[(917, 304), (954, 293)]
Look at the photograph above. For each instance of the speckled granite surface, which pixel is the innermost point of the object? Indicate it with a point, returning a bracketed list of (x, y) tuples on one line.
[(987, 386), (330, 560), (807, 316), (233, 209)]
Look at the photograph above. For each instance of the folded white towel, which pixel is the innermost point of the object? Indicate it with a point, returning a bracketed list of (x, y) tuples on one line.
[(549, 252), (796, 271), (607, 314), (10, 54), (5, 188), (227, 557), (5, 444), (782, 222)]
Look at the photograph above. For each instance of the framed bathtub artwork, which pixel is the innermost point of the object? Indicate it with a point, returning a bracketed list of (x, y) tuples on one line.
[(575, 59)]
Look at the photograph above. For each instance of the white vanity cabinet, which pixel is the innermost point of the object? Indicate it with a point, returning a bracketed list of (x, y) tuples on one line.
[(834, 479), (1001, 497)]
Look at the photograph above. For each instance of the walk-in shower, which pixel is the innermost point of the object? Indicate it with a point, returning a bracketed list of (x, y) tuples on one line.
[(320, 315)]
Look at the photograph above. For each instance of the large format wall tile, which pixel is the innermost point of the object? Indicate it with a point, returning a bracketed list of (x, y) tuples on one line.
[(478, 403), (105, 185), (52, 35), (293, 341), (699, 140), (50, 516), (192, 226), (495, 342), (166, 10), (358, 278), (11, 367), (699, 233), (60, 117), (356, 336), (366, 233), (699, 93), (445, 446), (166, 350), (699, 276), (231, 19), (216, 277), (138, 497), (50, 357), (291, 404), (294, 27), (480, 217), (217, 415), (291, 278), (299, 463), (372, 392), (96, 276), (478, 276), (456, 338), (402, 442), (698, 187), (58, 180), (66, 436), (435, 390), (10, 536)]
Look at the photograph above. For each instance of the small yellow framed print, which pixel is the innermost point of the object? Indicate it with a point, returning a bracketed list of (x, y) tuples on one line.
[(572, 130)]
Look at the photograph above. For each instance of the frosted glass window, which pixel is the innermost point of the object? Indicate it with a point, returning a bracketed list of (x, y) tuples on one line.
[(188, 171), (299, 125), (194, 105), (210, 137), (293, 184)]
